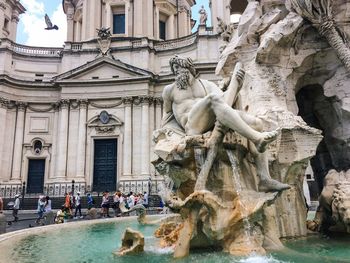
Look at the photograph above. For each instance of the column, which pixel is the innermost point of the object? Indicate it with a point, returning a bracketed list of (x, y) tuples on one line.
[(138, 19), (171, 27), (156, 22), (18, 146), (14, 23), (81, 139), (85, 21), (127, 146), (145, 137), (3, 112), (70, 24), (182, 22), (109, 19), (54, 147), (62, 140)]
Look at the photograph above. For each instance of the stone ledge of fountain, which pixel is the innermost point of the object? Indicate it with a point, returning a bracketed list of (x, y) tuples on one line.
[(19, 234)]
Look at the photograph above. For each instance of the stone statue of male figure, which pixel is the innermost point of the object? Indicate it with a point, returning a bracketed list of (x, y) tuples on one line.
[(196, 105)]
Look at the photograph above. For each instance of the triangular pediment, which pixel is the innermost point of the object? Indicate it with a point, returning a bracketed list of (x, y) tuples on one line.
[(104, 68)]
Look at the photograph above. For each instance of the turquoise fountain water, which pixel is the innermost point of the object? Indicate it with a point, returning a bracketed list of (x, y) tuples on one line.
[(95, 243)]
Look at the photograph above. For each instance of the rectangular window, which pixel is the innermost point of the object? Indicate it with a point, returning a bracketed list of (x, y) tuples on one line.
[(162, 30), (119, 24), (6, 24)]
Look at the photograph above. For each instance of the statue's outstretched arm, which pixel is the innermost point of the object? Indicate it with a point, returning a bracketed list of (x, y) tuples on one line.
[(235, 84)]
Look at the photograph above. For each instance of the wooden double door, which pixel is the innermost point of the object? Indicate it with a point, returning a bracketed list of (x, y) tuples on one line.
[(105, 165)]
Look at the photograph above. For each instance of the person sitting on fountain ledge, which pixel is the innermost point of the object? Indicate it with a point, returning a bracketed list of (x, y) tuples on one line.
[(197, 104)]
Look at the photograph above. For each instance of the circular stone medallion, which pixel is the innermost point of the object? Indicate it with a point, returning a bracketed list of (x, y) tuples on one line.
[(104, 117)]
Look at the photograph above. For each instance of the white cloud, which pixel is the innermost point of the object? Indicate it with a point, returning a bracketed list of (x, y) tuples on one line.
[(33, 6), (34, 25)]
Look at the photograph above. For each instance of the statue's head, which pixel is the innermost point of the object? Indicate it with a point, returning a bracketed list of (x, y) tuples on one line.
[(182, 68), (182, 62)]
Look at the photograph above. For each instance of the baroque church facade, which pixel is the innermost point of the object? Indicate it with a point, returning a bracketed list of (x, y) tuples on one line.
[(85, 113)]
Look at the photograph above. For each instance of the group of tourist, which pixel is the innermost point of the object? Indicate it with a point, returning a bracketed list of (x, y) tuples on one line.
[(119, 202), (122, 202)]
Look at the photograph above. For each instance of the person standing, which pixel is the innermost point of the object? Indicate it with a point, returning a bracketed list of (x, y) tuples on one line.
[(105, 204), (116, 203), (16, 207), (90, 201), (131, 201), (78, 205), (1, 205), (40, 209), (67, 203), (145, 199), (48, 206)]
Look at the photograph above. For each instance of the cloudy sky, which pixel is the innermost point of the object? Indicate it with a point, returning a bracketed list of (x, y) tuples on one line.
[(31, 26)]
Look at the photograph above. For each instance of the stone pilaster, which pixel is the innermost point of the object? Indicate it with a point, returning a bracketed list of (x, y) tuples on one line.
[(158, 105), (127, 144), (54, 149), (82, 138), (145, 137), (2, 17), (18, 145), (62, 140)]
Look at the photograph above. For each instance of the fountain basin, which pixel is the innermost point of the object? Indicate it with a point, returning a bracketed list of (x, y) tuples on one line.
[(96, 240)]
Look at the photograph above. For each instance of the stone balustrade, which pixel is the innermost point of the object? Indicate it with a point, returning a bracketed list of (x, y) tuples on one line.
[(36, 51), (176, 43), (116, 44)]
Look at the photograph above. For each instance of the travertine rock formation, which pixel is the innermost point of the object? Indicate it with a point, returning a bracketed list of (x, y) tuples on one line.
[(334, 208), (133, 242)]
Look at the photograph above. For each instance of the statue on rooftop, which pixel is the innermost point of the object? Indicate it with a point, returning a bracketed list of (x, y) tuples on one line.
[(203, 16)]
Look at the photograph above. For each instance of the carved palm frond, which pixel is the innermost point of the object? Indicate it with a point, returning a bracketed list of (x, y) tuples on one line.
[(319, 14), (316, 11)]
